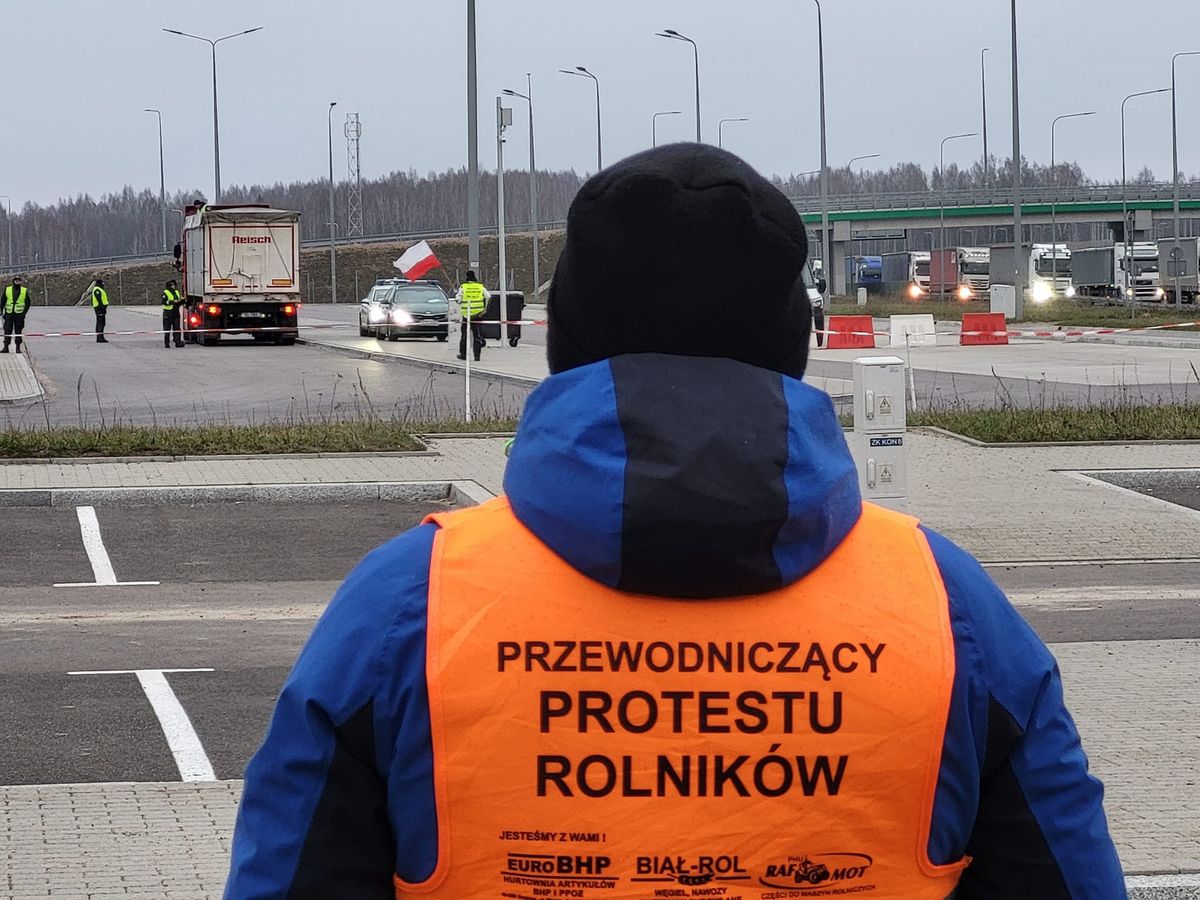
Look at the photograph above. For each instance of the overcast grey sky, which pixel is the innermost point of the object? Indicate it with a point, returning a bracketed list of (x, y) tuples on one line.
[(901, 75)]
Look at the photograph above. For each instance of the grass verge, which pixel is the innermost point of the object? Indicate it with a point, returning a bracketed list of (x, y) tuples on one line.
[(1059, 313), (1111, 422), (301, 437)]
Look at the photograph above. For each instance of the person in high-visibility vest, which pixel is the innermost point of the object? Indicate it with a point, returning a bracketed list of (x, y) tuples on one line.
[(680, 655), (100, 308), (472, 298), (15, 303), (172, 302)]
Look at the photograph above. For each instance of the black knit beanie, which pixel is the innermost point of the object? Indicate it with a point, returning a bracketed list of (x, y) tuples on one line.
[(683, 250)]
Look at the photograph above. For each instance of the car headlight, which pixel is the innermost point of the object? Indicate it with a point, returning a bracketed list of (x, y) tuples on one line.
[(964, 293), (376, 315), (401, 317), (915, 292), (1042, 292), (1128, 292), (1159, 293), (1070, 292)]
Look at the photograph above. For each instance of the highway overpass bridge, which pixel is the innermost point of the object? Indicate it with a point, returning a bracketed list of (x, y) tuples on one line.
[(856, 217)]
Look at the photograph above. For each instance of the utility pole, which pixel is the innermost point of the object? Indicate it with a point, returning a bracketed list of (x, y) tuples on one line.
[(1018, 232)]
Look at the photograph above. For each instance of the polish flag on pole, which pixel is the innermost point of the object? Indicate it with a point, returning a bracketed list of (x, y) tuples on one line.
[(416, 261)]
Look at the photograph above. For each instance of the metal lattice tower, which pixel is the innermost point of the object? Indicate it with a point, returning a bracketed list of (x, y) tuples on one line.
[(354, 220)]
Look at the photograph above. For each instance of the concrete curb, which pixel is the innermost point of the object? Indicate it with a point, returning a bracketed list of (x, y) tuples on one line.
[(447, 368), (933, 429), (460, 493), (234, 457), (20, 362)]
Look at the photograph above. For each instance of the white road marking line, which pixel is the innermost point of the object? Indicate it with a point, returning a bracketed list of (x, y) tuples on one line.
[(181, 736), (89, 527), (94, 545)]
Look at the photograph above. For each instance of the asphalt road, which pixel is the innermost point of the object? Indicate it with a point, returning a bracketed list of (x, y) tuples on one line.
[(134, 379), (240, 587)]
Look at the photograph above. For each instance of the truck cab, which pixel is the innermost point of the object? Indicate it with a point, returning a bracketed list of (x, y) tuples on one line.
[(1050, 272)]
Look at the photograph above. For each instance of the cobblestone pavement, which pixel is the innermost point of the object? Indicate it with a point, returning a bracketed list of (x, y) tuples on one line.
[(1135, 701)]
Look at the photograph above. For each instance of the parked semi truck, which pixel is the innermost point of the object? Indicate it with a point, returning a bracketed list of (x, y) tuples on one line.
[(906, 272), (1101, 273), (975, 263), (241, 272), (864, 272), (1049, 272)]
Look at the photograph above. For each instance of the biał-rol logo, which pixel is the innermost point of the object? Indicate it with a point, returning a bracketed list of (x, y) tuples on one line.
[(820, 872)]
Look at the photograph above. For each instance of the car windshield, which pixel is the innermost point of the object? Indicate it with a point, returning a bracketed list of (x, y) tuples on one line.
[(922, 267), (430, 298), (380, 295), (975, 268)]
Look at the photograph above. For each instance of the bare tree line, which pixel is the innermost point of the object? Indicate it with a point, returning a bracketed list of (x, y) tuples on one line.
[(128, 222)]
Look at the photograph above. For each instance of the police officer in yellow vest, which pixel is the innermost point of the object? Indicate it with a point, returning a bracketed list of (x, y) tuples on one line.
[(680, 656), (172, 302), (15, 304), (100, 308), (472, 300)]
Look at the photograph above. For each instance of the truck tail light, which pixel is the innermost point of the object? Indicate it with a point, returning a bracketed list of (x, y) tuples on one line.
[(214, 310), (194, 321), (288, 309)]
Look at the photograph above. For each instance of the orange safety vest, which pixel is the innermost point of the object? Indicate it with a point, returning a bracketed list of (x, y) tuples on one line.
[(595, 744)]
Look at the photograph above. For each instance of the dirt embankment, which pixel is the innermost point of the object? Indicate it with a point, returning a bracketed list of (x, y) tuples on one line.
[(358, 265)]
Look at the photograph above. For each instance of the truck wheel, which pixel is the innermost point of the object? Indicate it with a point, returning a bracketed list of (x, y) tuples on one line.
[(285, 340), (210, 340), (442, 338), (512, 342)]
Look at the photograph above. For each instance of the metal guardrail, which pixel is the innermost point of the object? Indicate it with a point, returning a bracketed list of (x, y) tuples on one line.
[(840, 203), (99, 262), (934, 199)]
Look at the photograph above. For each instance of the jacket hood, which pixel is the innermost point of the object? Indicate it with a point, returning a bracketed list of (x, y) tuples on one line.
[(683, 477)]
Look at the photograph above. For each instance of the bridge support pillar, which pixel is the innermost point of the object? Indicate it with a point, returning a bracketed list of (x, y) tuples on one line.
[(839, 246)]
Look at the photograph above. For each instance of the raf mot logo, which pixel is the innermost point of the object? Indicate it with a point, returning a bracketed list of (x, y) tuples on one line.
[(821, 872)]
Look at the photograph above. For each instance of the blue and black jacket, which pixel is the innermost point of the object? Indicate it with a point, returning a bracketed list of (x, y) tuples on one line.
[(678, 477)]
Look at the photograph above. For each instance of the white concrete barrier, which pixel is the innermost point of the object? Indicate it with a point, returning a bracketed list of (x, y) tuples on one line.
[(919, 331)]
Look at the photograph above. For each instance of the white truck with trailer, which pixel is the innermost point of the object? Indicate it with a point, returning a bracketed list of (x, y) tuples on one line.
[(1049, 273), (975, 264), (1101, 273), (907, 273), (241, 272)]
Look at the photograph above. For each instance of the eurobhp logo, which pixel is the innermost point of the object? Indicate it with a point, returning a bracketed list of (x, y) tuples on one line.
[(820, 871)]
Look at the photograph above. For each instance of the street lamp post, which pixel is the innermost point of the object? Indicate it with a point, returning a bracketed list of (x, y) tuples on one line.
[(1175, 176), (533, 203), (826, 251), (721, 128), (1021, 267), (332, 219), (1053, 199), (216, 128), (942, 204), (983, 88), (672, 34), (162, 179), (1125, 203), (584, 73), (472, 157), (8, 210), (503, 120), (654, 124)]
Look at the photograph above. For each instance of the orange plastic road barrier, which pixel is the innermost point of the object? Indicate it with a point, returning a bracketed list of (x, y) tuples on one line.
[(983, 328), (850, 333)]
